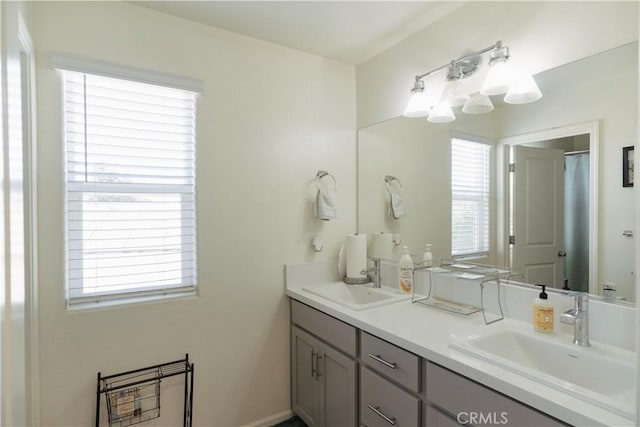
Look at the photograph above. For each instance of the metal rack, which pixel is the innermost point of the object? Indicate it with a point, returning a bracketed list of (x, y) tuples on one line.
[(133, 397), (474, 273)]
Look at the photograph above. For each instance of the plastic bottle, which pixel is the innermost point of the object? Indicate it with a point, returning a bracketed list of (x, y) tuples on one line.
[(427, 256), (406, 272), (542, 312)]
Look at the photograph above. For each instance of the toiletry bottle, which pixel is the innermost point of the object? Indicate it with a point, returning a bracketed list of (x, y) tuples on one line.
[(542, 312), (406, 272), (427, 256)]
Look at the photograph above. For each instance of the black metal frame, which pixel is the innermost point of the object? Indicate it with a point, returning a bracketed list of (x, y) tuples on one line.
[(148, 375)]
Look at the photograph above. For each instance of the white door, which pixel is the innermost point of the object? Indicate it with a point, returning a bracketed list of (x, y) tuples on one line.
[(538, 225)]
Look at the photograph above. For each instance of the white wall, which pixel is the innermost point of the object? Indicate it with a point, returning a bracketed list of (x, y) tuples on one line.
[(269, 118), (541, 35)]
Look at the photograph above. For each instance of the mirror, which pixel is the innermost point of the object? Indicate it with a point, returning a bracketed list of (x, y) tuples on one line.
[(597, 93)]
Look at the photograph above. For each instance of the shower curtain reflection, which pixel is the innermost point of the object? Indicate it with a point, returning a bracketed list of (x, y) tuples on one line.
[(576, 220)]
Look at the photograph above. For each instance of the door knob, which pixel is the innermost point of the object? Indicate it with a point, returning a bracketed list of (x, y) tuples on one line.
[(562, 254)]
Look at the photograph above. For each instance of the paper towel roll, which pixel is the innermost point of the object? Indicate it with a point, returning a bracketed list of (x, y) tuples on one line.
[(356, 247), (381, 246)]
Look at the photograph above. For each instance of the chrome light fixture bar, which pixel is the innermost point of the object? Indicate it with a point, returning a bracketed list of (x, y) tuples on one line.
[(501, 79)]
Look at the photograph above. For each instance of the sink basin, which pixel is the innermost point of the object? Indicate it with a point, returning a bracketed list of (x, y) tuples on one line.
[(356, 297), (602, 375)]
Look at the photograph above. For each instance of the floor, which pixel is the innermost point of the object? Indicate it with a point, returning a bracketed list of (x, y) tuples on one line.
[(292, 422)]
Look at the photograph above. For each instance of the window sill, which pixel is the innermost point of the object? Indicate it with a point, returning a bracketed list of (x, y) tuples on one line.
[(471, 257), (130, 301)]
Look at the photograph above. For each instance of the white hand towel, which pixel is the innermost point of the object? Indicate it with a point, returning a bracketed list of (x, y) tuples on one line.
[(398, 209), (326, 204)]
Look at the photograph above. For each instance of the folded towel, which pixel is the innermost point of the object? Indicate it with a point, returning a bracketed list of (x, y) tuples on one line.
[(326, 204), (398, 209)]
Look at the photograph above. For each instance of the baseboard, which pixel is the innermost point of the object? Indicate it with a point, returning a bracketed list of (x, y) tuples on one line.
[(271, 419)]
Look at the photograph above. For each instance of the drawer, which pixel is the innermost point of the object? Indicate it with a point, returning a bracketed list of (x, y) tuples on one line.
[(335, 332), (459, 395), (397, 364), (383, 403)]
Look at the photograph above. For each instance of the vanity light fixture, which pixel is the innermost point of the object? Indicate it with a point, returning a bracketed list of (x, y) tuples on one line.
[(418, 104), (502, 79)]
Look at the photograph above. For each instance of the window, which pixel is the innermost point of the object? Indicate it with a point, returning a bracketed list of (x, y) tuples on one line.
[(130, 188), (469, 197)]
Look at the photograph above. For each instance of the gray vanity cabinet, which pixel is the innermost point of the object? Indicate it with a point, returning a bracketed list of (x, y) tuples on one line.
[(338, 383), (324, 379), (476, 405)]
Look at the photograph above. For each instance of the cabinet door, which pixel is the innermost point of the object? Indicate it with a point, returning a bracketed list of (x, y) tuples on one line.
[(305, 397), (338, 381), (436, 418)]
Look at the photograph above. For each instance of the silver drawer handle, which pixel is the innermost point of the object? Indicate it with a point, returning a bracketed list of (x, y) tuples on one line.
[(377, 358), (376, 409)]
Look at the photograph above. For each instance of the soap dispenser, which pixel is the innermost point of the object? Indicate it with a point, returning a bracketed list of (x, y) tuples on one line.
[(406, 272), (542, 312), (427, 256)]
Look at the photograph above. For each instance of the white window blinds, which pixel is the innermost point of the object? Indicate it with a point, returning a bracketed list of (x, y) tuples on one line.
[(130, 188), (469, 197)]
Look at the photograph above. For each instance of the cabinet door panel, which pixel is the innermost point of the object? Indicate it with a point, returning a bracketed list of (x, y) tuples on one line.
[(384, 404), (305, 397), (338, 387), (436, 418)]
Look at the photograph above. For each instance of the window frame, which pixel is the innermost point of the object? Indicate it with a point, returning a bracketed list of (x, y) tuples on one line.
[(483, 246), (150, 292)]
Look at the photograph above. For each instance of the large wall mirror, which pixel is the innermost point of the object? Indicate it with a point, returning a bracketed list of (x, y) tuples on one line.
[(588, 113)]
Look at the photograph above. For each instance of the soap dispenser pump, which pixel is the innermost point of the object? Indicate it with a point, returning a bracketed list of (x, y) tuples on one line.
[(542, 312)]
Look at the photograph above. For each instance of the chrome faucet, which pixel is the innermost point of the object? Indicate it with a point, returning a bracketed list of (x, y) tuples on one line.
[(579, 318), (375, 273)]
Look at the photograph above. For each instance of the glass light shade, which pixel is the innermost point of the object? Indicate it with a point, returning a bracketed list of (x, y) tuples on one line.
[(441, 113), (523, 89), (478, 104), (455, 94), (418, 105), (498, 80)]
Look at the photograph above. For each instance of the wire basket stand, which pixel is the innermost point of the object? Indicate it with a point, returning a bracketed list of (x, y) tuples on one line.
[(133, 397), (472, 272)]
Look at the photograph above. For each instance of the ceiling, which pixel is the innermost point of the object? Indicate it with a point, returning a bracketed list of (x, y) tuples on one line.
[(346, 31)]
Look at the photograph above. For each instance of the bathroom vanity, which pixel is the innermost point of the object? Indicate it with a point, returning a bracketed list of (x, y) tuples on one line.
[(396, 386), (393, 364)]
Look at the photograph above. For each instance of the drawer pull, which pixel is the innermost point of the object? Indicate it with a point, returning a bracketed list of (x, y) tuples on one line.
[(376, 409), (318, 359), (377, 358), (313, 369)]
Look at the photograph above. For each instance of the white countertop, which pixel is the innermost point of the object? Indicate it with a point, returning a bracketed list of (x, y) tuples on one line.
[(426, 331)]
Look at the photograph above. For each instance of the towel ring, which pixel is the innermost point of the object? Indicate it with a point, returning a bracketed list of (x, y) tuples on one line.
[(322, 174), (389, 179)]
